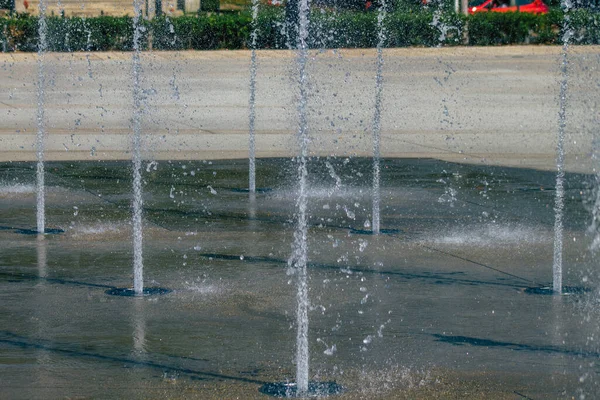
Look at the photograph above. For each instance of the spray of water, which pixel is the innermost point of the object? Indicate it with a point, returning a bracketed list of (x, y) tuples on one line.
[(560, 156), (298, 260), (88, 48), (438, 21), (377, 119), (137, 203), (252, 111), (41, 119)]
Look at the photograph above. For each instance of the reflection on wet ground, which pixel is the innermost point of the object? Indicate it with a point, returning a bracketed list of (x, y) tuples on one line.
[(435, 307)]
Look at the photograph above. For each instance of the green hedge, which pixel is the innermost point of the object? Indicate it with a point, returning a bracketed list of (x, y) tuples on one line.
[(206, 32), (508, 28), (328, 29), (210, 5)]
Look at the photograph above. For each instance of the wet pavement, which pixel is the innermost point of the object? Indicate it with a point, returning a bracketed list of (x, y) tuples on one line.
[(436, 308), (494, 105)]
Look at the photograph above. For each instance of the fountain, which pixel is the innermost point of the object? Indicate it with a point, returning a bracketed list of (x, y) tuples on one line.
[(557, 273), (297, 263), (41, 131), (437, 305), (377, 119), (137, 203), (299, 258), (252, 110)]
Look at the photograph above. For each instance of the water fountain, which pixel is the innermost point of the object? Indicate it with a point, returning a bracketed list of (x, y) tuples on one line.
[(377, 119), (438, 306), (41, 122), (252, 110), (298, 262), (137, 203), (557, 267), (299, 258)]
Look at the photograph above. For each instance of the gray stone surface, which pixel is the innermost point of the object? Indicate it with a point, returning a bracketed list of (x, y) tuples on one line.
[(494, 105)]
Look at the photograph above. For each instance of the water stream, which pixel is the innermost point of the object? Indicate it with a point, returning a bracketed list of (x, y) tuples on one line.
[(252, 111), (137, 203), (557, 272), (41, 119), (377, 119), (299, 257)]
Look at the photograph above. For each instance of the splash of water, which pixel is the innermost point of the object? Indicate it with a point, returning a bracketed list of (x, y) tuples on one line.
[(252, 111), (377, 119), (137, 203), (88, 48), (338, 180), (41, 119), (438, 21), (299, 258), (16, 189), (560, 156)]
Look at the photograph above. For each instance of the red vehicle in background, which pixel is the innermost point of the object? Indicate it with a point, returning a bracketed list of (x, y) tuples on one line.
[(528, 6)]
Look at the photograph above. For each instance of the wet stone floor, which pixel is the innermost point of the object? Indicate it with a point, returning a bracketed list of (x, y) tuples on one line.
[(435, 307)]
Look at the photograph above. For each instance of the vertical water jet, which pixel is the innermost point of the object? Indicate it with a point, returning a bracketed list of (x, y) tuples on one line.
[(41, 119), (299, 257), (559, 201), (252, 111), (137, 202), (377, 119)]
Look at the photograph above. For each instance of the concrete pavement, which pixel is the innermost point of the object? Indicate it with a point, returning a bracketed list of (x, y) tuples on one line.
[(494, 105)]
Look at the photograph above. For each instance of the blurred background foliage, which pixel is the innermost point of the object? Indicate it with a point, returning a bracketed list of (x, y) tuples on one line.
[(334, 23)]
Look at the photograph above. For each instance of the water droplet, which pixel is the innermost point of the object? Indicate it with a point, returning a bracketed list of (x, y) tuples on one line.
[(349, 213), (362, 245), (329, 351)]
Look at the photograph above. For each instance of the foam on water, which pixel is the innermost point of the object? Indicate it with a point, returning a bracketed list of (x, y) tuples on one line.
[(203, 288), (99, 229), (21, 190), (17, 189), (378, 382), (492, 235), (324, 192)]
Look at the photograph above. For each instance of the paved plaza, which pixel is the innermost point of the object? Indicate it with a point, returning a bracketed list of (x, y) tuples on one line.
[(493, 105)]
